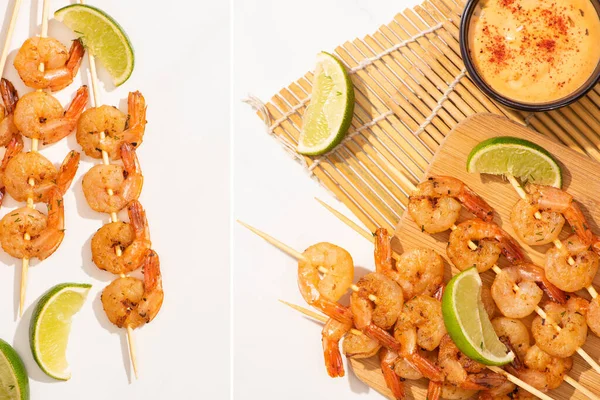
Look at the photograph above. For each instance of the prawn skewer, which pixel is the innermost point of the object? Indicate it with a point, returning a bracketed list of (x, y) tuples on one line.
[(34, 148), (519, 189), (497, 370), (113, 214), (475, 205), (299, 256), (540, 311)]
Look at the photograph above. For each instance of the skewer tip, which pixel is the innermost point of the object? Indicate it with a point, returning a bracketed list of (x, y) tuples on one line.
[(132, 353)]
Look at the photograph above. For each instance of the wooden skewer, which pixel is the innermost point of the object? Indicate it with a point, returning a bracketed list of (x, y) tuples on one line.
[(496, 269), (297, 255), (9, 33), (519, 189), (113, 215), (497, 370), (131, 346)]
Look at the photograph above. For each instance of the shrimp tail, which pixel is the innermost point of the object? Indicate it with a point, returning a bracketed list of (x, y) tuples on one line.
[(70, 118), (483, 381), (382, 336), (137, 217), (333, 357), (426, 367), (14, 147), (383, 251), (75, 56), (517, 362), (392, 380), (130, 160), (476, 205), (555, 294), (336, 311), (78, 104), (576, 219), (434, 390), (56, 209), (511, 249), (67, 171), (60, 78), (439, 292), (136, 106), (151, 268), (9, 94)]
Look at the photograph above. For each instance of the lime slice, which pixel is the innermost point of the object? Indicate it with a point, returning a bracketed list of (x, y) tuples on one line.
[(103, 37), (14, 383), (518, 157), (331, 108), (51, 324), (467, 322)]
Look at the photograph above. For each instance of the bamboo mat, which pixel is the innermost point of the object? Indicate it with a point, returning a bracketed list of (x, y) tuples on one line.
[(411, 90)]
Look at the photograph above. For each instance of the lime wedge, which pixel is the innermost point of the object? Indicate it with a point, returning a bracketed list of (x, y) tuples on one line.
[(51, 325), (518, 157), (331, 108), (467, 322), (14, 383), (103, 37)]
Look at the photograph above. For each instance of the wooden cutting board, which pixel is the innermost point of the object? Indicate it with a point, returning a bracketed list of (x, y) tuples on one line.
[(581, 178)]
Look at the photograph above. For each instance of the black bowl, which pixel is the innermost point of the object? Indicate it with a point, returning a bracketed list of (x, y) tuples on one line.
[(488, 90)]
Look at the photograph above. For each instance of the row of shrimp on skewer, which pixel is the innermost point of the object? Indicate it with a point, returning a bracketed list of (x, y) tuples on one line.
[(397, 313), (29, 175), (570, 268)]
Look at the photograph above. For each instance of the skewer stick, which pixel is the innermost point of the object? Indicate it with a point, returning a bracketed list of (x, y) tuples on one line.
[(34, 148), (497, 370), (131, 345), (113, 215), (9, 33), (519, 189), (495, 268), (295, 254)]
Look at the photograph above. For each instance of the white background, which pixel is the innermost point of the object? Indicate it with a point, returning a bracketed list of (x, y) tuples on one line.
[(277, 352), (182, 69)]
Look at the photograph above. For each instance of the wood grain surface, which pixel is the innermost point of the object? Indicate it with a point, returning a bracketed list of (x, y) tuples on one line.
[(581, 178)]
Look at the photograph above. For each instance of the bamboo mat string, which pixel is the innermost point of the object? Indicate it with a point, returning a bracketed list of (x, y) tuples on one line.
[(259, 106), (368, 61), (350, 136), (440, 103), (528, 118), (362, 65)]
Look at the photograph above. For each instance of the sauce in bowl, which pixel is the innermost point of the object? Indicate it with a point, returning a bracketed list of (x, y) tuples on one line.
[(535, 51)]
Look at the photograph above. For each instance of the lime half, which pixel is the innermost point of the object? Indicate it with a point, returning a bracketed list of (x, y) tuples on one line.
[(51, 325), (103, 37), (518, 157), (467, 322), (14, 383), (331, 108)]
